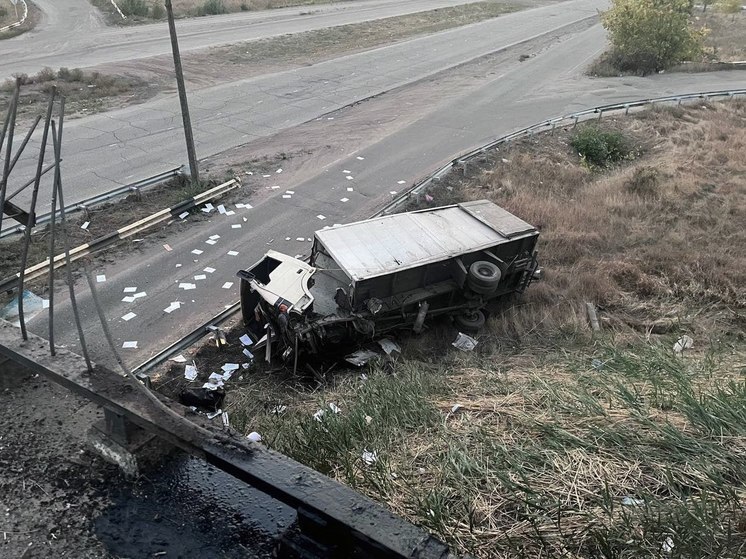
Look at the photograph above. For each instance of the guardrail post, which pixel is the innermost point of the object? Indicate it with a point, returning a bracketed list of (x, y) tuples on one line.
[(600, 114), (626, 110), (138, 193), (574, 124), (553, 127)]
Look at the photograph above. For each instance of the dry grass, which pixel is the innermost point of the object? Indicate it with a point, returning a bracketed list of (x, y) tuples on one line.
[(8, 16), (85, 92), (725, 35)]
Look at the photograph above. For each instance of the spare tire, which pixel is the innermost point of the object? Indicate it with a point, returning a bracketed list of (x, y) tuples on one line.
[(470, 321), (483, 277)]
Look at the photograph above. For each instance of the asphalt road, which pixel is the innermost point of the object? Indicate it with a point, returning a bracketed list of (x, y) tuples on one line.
[(72, 32), (511, 96), (118, 147)]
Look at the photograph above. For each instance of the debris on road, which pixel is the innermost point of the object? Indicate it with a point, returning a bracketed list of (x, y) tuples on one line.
[(464, 342), (684, 342)]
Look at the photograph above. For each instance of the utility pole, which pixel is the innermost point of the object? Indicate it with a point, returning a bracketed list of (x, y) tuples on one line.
[(182, 96)]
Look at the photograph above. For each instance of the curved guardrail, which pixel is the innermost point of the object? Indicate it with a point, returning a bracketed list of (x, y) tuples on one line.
[(549, 125), (20, 21)]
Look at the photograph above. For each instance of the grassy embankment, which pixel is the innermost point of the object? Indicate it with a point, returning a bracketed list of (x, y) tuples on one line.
[(567, 443)]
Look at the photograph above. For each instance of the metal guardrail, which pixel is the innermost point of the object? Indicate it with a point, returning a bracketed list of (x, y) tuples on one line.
[(134, 187), (550, 125), (20, 21), (122, 233)]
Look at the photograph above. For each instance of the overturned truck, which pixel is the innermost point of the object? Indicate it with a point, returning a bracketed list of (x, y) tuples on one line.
[(366, 278)]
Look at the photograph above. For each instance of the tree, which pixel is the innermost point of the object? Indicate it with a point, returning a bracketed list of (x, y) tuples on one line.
[(651, 35)]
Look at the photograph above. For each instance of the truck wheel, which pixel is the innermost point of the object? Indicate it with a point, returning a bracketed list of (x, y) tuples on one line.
[(470, 321), (484, 274)]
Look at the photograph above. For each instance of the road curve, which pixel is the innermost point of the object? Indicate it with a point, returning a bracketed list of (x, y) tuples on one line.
[(73, 35), (515, 95), (118, 147)]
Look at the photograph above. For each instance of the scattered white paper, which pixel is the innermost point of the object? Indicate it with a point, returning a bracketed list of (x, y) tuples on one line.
[(172, 307), (668, 545), (183, 215), (349, 177), (85, 225), (209, 270), (248, 354), (214, 237), (300, 239), (246, 340), (318, 415), (345, 171), (129, 316), (455, 408), (209, 207), (350, 189), (266, 176), (167, 247), (631, 501), (464, 342), (392, 192), (286, 196), (228, 285), (236, 226), (254, 436), (334, 408), (360, 158), (129, 290), (344, 200), (369, 458), (230, 367), (197, 251), (230, 213), (128, 300), (322, 217), (221, 209), (45, 303), (232, 253), (190, 372), (129, 345), (277, 410), (187, 286), (101, 278), (278, 171), (401, 182), (139, 295), (200, 277), (210, 242), (684, 342), (274, 186), (290, 192)]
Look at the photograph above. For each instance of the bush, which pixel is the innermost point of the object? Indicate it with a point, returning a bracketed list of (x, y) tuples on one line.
[(212, 8), (45, 75), (3, 11), (599, 147), (244, 7), (651, 35), (134, 7), (158, 11)]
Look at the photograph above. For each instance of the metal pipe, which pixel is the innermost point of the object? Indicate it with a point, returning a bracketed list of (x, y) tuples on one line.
[(29, 223), (57, 178), (68, 267), (29, 183), (11, 118), (24, 142)]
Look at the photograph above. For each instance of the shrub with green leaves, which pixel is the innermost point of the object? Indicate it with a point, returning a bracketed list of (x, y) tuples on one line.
[(651, 35), (158, 10), (134, 8), (598, 147), (212, 8)]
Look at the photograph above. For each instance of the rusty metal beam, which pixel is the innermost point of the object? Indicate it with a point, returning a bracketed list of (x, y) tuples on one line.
[(342, 518)]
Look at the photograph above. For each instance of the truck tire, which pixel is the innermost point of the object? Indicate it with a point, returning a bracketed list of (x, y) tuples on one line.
[(470, 321), (483, 277)]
